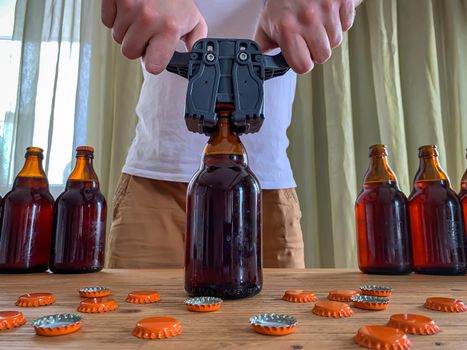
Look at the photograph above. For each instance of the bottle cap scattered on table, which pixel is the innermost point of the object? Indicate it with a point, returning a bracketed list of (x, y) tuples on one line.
[(382, 337), (273, 324), (377, 291), (414, 324), (369, 302), (300, 296), (157, 328), (93, 305), (142, 297), (342, 295), (203, 304), (58, 324), (35, 299), (333, 309), (94, 292), (11, 319), (445, 304)]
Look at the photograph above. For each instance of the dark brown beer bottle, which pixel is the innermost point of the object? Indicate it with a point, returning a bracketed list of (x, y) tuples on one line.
[(381, 211), (463, 196), (27, 217), (223, 232), (437, 228), (78, 243)]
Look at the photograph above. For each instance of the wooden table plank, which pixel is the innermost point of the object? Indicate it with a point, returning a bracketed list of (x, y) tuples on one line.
[(228, 328)]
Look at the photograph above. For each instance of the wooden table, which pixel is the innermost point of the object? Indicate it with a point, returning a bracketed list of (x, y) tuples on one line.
[(228, 328)]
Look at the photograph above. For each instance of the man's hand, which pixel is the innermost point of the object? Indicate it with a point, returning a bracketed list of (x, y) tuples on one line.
[(305, 30), (152, 28)]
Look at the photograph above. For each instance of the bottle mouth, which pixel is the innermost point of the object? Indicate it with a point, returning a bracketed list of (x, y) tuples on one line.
[(378, 150), (428, 151), (34, 151), (85, 149)]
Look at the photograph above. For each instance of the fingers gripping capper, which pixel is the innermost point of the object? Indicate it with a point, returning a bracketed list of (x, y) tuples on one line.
[(225, 72)]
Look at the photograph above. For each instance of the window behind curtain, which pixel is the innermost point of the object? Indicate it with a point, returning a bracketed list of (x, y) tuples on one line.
[(39, 71)]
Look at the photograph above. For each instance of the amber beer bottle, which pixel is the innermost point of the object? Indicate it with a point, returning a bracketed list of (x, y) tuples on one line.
[(463, 196), (437, 228), (78, 243), (27, 218), (381, 211), (223, 232)]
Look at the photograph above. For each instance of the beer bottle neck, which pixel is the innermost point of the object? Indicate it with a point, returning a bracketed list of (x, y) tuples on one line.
[(430, 170), (32, 175), (83, 170), (32, 167), (379, 171), (224, 141)]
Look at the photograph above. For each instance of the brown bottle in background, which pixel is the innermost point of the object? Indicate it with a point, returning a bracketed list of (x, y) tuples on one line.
[(437, 228), (463, 196), (381, 211), (223, 232), (78, 243), (27, 218)]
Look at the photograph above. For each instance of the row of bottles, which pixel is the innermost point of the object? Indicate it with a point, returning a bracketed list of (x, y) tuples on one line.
[(68, 235), (424, 233)]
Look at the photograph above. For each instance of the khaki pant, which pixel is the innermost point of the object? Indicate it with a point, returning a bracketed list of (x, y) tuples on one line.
[(148, 228)]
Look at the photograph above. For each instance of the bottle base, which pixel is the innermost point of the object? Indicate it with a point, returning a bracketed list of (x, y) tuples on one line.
[(37, 269), (65, 271), (386, 271), (451, 271), (224, 292)]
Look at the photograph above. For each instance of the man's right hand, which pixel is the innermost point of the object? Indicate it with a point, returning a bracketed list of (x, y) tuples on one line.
[(152, 28)]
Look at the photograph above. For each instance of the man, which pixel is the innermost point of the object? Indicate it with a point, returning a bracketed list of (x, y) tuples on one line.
[(149, 203)]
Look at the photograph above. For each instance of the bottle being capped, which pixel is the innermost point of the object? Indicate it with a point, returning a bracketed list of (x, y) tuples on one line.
[(78, 243), (381, 211), (27, 217), (223, 232), (463, 197), (437, 227)]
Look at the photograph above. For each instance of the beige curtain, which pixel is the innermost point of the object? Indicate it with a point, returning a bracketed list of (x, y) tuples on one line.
[(400, 78)]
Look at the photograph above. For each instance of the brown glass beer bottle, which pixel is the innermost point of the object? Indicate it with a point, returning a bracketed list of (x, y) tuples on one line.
[(381, 211), (27, 217), (223, 230), (463, 196), (437, 228), (78, 241)]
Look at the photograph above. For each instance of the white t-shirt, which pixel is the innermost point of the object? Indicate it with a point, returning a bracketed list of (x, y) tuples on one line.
[(163, 147)]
